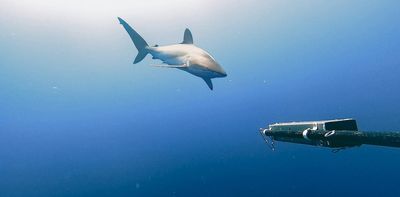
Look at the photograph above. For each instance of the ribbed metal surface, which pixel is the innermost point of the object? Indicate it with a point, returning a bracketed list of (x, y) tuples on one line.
[(330, 133)]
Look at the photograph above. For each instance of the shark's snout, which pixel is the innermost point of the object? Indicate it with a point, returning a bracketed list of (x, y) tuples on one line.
[(223, 74), (219, 70), (219, 74)]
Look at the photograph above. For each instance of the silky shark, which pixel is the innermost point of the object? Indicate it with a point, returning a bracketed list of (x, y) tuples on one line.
[(184, 56)]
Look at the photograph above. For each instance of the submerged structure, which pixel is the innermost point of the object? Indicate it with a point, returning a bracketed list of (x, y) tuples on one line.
[(338, 134)]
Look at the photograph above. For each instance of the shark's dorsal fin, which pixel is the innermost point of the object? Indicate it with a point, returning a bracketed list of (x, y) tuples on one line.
[(187, 37), (209, 83)]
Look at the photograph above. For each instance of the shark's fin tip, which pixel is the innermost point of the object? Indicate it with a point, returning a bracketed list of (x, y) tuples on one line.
[(121, 21)]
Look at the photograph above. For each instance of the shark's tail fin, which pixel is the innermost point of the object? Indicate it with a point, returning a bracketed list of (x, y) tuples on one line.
[(139, 42)]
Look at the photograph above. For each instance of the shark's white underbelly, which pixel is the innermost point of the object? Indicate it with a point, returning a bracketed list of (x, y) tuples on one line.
[(169, 59), (200, 71)]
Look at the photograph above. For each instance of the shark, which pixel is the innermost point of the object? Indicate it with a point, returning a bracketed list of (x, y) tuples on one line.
[(183, 56)]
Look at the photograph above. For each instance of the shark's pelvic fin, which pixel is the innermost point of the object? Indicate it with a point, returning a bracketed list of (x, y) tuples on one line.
[(209, 83), (187, 37), (138, 41)]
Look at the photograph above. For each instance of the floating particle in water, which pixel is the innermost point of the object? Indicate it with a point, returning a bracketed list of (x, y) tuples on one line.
[(137, 185)]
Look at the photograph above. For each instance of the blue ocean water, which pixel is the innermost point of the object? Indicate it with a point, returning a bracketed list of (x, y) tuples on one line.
[(78, 119)]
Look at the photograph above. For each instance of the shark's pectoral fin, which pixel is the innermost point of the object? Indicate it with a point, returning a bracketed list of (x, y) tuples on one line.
[(209, 83)]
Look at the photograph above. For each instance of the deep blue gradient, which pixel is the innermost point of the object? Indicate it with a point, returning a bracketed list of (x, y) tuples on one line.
[(78, 119)]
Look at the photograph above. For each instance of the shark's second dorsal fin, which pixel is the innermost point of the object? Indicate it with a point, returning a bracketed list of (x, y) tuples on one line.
[(187, 37)]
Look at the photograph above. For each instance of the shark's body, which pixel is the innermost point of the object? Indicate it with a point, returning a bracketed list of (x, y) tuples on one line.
[(184, 56)]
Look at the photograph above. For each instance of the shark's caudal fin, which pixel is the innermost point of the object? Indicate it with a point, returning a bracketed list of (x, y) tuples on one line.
[(187, 37), (139, 42), (209, 83)]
